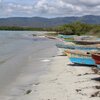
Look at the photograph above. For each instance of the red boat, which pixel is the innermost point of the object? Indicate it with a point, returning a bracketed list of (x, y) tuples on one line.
[(96, 57)]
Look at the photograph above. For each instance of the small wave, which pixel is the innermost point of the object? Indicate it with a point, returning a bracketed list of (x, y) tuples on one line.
[(45, 60)]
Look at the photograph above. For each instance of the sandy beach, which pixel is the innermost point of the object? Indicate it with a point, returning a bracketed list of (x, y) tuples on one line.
[(64, 81)]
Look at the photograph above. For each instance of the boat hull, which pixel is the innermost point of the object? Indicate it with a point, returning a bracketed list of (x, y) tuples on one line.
[(76, 47), (96, 58), (65, 46), (85, 61), (69, 39), (86, 48), (66, 36), (87, 42), (80, 57)]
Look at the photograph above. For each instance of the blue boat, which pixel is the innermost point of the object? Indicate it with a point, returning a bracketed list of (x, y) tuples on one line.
[(65, 46), (80, 47), (66, 36), (80, 57), (80, 60), (87, 42)]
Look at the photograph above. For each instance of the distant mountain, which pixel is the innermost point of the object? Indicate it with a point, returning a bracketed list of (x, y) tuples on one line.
[(46, 22)]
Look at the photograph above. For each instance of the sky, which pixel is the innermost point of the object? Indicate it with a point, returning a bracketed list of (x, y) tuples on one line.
[(48, 8)]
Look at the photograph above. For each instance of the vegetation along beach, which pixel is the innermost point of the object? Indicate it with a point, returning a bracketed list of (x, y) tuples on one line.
[(49, 50)]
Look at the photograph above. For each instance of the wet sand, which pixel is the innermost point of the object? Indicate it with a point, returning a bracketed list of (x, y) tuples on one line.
[(64, 81)]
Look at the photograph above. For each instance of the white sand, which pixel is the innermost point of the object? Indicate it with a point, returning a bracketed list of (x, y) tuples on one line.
[(64, 82)]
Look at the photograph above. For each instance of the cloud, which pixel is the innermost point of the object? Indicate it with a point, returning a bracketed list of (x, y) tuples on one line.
[(68, 7), (83, 2), (50, 8), (56, 7), (90, 2), (10, 9)]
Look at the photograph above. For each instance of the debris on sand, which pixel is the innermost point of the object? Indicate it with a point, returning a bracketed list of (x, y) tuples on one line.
[(96, 70), (28, 91), (96, 94)]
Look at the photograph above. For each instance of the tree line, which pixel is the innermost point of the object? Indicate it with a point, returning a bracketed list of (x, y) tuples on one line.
[(17, 28), (78, 28), (75, 28)]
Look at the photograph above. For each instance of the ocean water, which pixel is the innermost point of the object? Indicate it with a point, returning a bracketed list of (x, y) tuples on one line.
[(23, 58)]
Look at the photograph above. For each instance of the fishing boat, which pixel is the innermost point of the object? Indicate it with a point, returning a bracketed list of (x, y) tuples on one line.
[(80, 47), (65, 46), (50, 37), (85, 37), (67, 38), (80, 57), (87, 42), (96, 57)]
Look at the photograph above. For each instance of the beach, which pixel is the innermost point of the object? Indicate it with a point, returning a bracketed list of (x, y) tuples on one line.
[(38, 70), (64, 81), (49, 49)]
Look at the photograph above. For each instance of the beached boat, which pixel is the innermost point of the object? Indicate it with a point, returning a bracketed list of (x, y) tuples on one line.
[(67, 38), (85, 37), (80, 47), (86, 42), (80, 57), (65, 46), (50, 37), (96, 57)]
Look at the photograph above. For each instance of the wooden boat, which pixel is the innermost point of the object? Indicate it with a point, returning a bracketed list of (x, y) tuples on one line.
[(87, 42), (80, 47), (96, 57), (67, 38), (84, 37), (80, 57), (59, 45), (50, 37)]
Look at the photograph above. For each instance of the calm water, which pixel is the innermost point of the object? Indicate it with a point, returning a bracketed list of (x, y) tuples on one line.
[(22, 59)]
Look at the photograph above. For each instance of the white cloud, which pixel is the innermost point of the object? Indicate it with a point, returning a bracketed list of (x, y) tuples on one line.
[(90, 2), (83, 2), (52, 8)]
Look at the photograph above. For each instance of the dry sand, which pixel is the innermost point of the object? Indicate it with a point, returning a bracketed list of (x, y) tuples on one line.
[(64, 82)]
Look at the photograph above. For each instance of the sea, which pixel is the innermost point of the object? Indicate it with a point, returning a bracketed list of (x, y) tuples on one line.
[(23, 59)]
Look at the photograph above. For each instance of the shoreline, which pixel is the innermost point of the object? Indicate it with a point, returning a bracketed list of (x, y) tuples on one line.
[(61, 81), (64, 82)]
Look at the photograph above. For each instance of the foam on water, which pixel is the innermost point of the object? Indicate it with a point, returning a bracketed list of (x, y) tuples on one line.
[(45, 60)]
